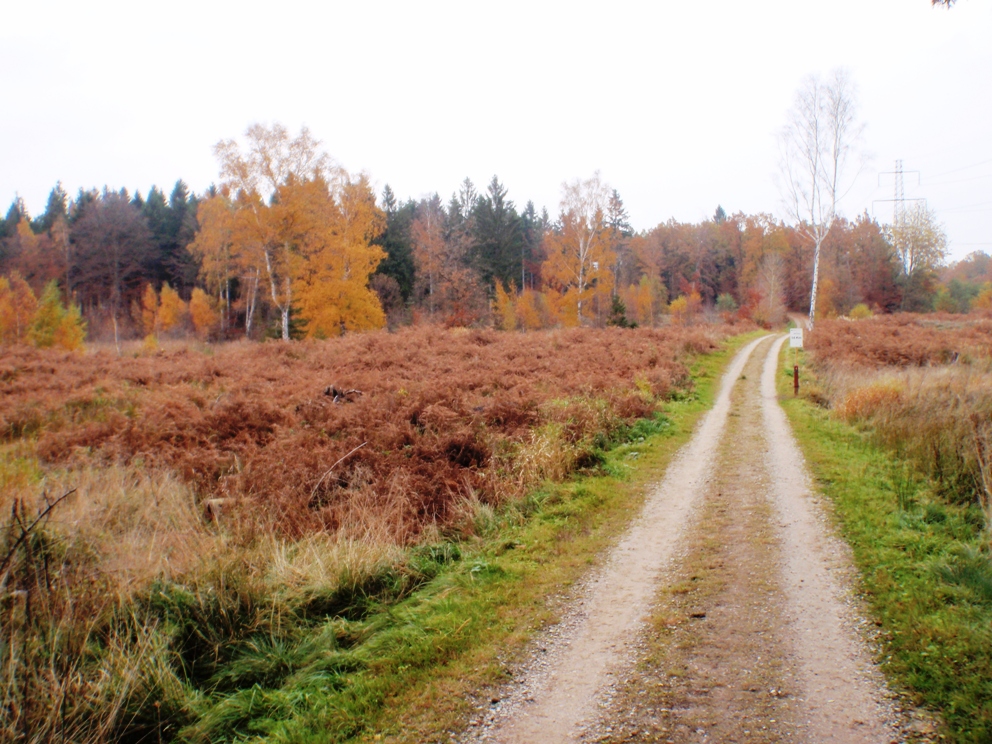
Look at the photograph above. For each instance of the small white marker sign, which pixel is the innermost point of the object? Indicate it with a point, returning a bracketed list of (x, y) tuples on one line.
[(796, 338)]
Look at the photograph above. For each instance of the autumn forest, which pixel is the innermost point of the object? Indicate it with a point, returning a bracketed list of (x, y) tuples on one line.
[(290, 245)]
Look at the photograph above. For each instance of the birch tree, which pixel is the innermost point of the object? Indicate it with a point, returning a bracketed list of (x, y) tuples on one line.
[(270, 162), (579, 255), (919, 240), (817, 145)]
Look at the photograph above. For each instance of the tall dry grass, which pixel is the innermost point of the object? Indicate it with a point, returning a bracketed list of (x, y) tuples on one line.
[(78, 659), (115, 604), (923, 388)]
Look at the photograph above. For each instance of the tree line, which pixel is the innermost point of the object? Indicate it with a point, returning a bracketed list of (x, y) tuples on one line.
[(288, 244)]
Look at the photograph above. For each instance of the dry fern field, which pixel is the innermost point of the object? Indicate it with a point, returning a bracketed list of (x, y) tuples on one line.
[(181, 525)]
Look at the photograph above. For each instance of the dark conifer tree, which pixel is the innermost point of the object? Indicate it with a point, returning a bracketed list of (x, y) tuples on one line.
[(16, 212), (395, 241), (532, 232), (57, 207), (497, 251), (83, 201), (388, 200), (180, 265)]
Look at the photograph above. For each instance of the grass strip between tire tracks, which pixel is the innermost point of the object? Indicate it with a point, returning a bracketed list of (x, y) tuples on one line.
[(923, 571)]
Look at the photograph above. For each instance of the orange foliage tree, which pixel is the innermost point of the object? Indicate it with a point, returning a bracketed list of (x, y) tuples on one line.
[(579, 256), (221, 260), (171, 308), (17, 307), (645, 300), (202, 313), (335, 243), (429, 249), (504, 310), (530, 310), (149, 310), (303, 224)]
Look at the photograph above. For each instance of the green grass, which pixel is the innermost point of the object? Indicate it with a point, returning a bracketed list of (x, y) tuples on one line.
[(925, 568), (404, 654)]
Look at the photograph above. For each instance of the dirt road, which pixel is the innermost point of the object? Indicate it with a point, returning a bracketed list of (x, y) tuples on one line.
[(724, 613)]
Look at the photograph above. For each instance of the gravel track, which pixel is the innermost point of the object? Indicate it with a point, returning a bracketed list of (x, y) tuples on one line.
[(776, 617)]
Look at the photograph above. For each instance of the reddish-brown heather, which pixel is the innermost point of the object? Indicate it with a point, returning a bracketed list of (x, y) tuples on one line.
[(903, 340), (440, 416)]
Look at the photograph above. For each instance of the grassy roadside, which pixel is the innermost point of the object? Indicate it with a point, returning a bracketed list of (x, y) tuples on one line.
[(412, 670), (924, 573)]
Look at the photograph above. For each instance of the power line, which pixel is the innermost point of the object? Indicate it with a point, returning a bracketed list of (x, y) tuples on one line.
[(962, 168), (959, 180)]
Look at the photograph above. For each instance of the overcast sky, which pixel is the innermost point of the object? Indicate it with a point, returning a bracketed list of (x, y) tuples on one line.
[(676, 104)]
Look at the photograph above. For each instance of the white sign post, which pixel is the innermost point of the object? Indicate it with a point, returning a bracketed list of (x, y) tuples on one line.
[(795, 342)]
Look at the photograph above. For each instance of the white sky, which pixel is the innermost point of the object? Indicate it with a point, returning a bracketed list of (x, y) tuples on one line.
[(677, 104)]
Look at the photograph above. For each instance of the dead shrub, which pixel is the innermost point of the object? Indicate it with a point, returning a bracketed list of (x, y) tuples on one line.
[(864, 402)]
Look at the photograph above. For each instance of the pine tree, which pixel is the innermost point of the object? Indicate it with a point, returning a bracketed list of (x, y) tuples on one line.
[(17, 212), (396, 242), (57, 208), (497, 249), (388, 201)]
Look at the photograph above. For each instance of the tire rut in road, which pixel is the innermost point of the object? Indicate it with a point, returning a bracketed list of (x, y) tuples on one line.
[(844, 696)]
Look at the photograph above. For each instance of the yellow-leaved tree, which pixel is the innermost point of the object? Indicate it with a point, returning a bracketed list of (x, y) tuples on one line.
[(504, 310), (171, 309), (287, 216), (529, 310), (646, 299), (335, 235), (17, 307), (983, 300), (53, 324), (149, 310), (578, 248), (221, 261), (202, 313)]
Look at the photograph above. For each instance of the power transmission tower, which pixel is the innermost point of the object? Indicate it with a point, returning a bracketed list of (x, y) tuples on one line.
[(899, 197), (899, 201)]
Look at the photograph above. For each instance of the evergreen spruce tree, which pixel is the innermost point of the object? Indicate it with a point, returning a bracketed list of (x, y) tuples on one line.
[(497, 249), (396, 242), (57, 207)]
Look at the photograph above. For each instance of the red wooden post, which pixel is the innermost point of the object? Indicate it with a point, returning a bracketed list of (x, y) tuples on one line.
[(795, 379)]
